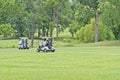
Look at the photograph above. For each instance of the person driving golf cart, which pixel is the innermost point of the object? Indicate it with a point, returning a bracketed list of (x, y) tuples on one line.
[(44, 43), (49, 44)]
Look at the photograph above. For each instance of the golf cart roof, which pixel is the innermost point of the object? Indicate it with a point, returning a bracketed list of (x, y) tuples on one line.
[(23, 37), (45, 37)]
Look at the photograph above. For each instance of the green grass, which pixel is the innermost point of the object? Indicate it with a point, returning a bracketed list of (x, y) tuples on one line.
[(67, 63), (8, 43), (13, 43), (103, 43)]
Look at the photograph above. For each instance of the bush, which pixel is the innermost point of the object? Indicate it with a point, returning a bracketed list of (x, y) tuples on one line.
[(86, 34), (6, 30), (110, 35), (67, 40), (70, 40)]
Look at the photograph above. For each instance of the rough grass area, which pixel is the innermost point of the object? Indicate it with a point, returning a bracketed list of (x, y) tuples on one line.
[(104, 43), (13, 43), (67, 63)]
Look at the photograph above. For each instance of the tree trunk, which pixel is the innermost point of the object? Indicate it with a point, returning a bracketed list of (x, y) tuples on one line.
[(57, 32), (51, 30), (57, 26), (96, 25), (32, 34), (32, 28), (39, 32), (43, 31), (72, 35)]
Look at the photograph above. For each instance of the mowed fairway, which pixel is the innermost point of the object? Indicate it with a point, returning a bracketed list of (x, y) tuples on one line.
[(67, 63)]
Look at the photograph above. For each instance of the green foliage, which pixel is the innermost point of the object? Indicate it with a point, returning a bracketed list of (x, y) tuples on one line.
[(21, 25), (73, 27), (68, 40), (104, 32), (44, 15), (86, 34), (6, 30), (110, 16)]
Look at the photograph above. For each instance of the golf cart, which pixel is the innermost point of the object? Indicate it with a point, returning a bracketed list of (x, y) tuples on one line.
[(46, 45), (23, 43)]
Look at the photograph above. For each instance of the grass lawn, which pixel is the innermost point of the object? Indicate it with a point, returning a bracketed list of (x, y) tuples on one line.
[(67, 63)]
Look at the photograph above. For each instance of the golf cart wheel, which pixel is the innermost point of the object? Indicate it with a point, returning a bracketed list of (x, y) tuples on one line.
[(53, 51), (45, 50), (37, 50)]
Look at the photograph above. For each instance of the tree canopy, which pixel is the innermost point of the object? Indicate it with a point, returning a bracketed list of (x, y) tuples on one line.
[(86, 20)]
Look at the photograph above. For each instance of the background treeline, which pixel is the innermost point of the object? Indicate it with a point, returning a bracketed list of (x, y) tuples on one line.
[(86, 20)]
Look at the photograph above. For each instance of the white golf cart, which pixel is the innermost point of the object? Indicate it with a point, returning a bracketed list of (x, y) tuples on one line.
[(23, 43), (46, 45)]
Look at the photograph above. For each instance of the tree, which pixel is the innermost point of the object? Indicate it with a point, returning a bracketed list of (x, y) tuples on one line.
[(13, 13), (93, 4), (6, 30), (110, 16), (57, 13), (86, 34), (20, 24), (81, 15), (30, 11), (6, 10)]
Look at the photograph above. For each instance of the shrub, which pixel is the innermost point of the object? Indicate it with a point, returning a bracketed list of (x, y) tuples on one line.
[(6, 30), (86, 34), (67, 40)]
